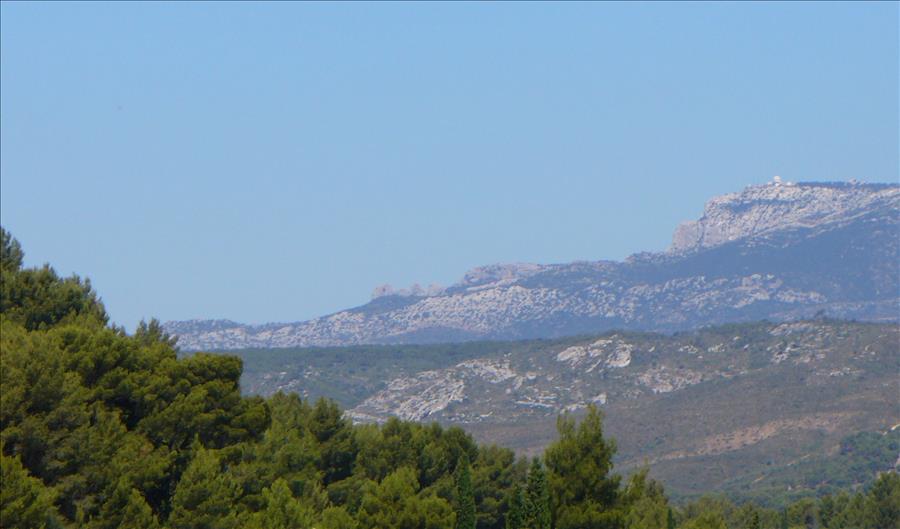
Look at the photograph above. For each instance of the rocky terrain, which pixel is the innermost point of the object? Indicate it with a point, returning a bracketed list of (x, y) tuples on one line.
[(759, 210), (718, 408), (778, 251), (663, 342)]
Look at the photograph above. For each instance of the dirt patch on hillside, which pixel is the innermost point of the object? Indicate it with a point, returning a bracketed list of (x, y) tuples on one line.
[(744, 437)]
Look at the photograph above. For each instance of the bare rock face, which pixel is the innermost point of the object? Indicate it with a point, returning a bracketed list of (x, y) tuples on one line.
[(758, 210), (499, 274), (780, 251), (415, 291)]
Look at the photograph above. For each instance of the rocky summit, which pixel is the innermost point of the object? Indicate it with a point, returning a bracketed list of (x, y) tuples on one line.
[(779, 251)]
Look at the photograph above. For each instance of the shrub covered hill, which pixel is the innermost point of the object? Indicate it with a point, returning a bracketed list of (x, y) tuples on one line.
[(752, 409), (102, 429)]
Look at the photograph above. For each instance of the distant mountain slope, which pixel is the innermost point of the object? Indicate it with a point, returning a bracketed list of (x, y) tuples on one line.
[(743, 408), (777, 251)]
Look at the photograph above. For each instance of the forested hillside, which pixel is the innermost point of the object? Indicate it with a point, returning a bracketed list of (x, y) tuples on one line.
[(102, 429), (768, 411)]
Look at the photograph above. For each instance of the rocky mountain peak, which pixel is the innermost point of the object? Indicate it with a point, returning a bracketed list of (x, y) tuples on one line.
[(414, 291), (498, 274), (779, 205), (778, 251)]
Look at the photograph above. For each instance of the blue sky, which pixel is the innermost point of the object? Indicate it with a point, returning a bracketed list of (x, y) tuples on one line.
[(275, 162)]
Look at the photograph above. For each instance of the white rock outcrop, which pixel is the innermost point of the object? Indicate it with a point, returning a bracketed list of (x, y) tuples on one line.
[(776, 206), (668, 291)]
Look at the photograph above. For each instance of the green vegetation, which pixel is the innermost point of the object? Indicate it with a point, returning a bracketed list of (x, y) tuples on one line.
[(859, 457), (348, 375), (759, 411), (465, 496), (101, 429)]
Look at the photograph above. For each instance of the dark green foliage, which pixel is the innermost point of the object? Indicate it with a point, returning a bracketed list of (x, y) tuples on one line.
[(875, 508), (337, 518), (706, 520), (10, 252), (537, 497), (205, 495), (883, 503), (150, 333), (860, 458), (465, 496), (584, 493), (282, 510), (37, 297), (335, 437), (515, 516), (24, 500), (647, 506), (99, 429), (125, 508), (399, 503), (494, 474)]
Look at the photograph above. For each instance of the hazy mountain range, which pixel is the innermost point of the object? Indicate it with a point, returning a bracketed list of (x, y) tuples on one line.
[(766, 405), (778, 251)]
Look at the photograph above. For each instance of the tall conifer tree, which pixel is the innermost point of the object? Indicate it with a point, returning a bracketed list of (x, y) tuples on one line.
[(465, 496), (584, 492), (515, 515), (537, 498)]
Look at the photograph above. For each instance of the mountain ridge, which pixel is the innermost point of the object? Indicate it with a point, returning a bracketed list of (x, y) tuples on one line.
[(779, 251)]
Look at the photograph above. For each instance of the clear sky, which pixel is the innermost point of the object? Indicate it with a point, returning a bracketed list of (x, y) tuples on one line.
[(275, 162)]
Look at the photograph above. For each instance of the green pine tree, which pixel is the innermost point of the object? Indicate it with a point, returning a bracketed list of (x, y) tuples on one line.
[(537, 497), (465, 496), (645, 502), (337, 518), (10, 252), (579, 464), (204, 496), (754, 522), (24, 500), (283, 511), (515, 515), (882, 508), (126, 507), (706, 520)]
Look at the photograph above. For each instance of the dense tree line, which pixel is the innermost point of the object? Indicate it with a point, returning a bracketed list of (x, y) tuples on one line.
[(102, 429)]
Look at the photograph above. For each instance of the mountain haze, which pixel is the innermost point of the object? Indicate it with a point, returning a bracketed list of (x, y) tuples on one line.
[(778, 251)]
